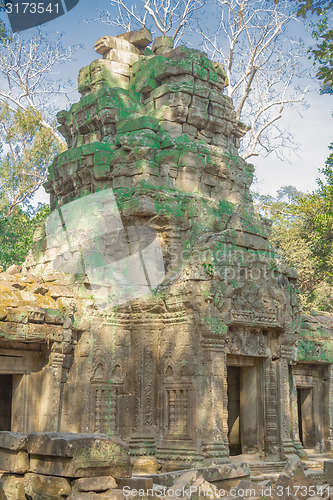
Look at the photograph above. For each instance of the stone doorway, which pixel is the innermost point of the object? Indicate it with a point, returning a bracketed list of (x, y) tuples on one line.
[(305, 417), (244, 411), (234, 436), (6, 394)]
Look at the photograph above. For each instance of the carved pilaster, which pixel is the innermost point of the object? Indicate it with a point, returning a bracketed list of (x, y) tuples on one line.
[(294, 418), (142, 442), (287, 446), (271, 410), (55, 390), (213, 399), (330, 406)]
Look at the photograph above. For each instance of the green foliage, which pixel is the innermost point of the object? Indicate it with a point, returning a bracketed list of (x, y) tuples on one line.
[(26, 151), (4, 35), (314, 6), (16, 233), (323, 53), (302, 231)]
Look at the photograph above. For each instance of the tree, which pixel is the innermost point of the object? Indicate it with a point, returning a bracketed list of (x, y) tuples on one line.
[(302, 232), (323, 53), (2, 24), (28, 76), (26, 151), (264, 68), (17, 231), (167, 17)]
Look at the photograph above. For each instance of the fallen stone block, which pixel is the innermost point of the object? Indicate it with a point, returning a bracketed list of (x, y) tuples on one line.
[(78, 455), (96, 484), (136, 483), (107, 495), (288, 483), (13, 486), (13, 440), (14, 269), (328, 471), (2, 493), (248, 489), (192, 485), (39, 486), (14, 461)]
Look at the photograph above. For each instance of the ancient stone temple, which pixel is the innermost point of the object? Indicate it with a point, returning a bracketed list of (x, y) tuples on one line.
[(153, 307)]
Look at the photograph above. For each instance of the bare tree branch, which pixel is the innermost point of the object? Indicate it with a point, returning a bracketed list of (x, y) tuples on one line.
[(263, 66), (166, 17), (28, 71)]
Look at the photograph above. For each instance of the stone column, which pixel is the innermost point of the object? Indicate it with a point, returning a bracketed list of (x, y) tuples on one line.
[(294, 418), (287, 447), (330, 406), (212, 416)]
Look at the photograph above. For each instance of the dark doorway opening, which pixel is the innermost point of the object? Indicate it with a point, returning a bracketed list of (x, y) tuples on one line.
[(234, 393), (6, 393), (306, 426)]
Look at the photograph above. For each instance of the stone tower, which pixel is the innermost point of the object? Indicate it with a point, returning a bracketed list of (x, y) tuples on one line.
[(184, 322)]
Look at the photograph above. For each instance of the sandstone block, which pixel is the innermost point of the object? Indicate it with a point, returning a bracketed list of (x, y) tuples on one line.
[(176, 114), (200, 72), (106, 43), (173, 99), (189, 130), (173, 129), (170, 68), (96, 484), (14, 269), (147, 85), (121, 56), (140, 38), (119, 68), (136, 483), (13, 440), (107, 495), (14, 461), (197, 118), (162, 41), (195, 484), (292, 476), (2, 493), (328, 471), (146, 465), (13, 486), (78, 455), (52, 488)]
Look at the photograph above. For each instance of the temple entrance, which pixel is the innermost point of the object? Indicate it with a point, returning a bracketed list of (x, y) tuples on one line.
[(305, 417), (243, 410), (6, 393), (234, 438)]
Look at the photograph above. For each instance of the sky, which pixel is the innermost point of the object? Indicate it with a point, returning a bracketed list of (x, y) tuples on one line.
[(312, 129)]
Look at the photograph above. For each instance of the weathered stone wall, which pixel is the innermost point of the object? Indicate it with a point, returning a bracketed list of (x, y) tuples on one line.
[(174, 299)]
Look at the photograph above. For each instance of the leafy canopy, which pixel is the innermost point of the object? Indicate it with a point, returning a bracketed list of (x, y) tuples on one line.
[(26, 151), (302, 232), (17, 231)]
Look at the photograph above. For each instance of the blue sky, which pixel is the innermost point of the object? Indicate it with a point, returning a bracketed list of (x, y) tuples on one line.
[(313, 129)]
